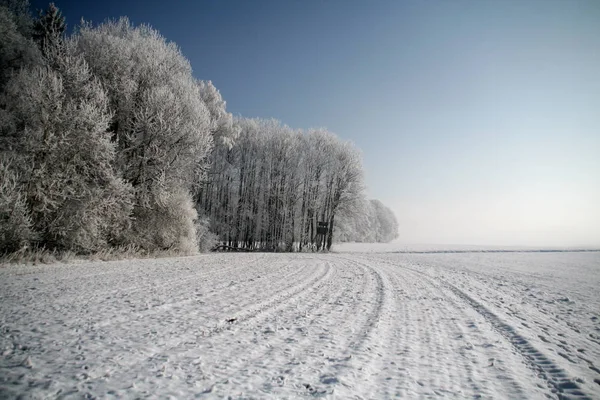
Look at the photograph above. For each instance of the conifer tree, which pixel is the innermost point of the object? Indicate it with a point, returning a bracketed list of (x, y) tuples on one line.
[(49, 27), (19, 14), (17, 49)]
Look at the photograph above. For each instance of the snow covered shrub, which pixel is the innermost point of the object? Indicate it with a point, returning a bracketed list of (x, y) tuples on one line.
[(205, 238), (167, 224), (99, 221), (66, 153), (16, 227)]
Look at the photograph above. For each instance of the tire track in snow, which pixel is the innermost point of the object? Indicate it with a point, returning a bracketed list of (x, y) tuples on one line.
[(435, 350), (344, 333), (423, 340), (275, 302), (546, 314), (468, 349), (556, 378), (368, 348)]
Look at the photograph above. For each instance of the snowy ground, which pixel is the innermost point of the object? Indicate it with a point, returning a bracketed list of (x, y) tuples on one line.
[(344, 325)]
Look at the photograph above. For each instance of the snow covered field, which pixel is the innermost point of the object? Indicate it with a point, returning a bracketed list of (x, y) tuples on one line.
[(342, 325)]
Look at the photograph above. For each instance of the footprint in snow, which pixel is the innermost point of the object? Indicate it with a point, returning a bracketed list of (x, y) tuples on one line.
[(314, 391), (279, 380), (328, 379)]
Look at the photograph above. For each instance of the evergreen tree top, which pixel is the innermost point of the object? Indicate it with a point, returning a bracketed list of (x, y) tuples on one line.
[(49, 26)]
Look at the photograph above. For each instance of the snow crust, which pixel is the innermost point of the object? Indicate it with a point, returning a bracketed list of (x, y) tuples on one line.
[(343, 325)]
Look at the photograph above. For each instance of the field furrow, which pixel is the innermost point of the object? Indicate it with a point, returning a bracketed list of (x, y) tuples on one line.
[(351, 326)]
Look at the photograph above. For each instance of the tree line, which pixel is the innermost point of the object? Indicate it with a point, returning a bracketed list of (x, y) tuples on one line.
[(107, 140)]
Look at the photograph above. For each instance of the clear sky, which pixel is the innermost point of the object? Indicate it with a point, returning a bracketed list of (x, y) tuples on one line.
[(479, 120)]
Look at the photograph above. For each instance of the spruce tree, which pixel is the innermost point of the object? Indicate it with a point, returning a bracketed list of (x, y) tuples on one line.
[(49, 27), (20, 15)]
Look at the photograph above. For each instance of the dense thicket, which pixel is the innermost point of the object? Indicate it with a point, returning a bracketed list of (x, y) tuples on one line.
[(107, 139)]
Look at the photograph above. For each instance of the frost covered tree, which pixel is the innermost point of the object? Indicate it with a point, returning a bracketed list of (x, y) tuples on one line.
[(161, 125), (16, 225), (17, 49), (386, 220), (60, 121), (222, 126), (49, 27), (332, 184), (275, 184), (19, 15), (374, 223), (107, 139), (224, 133), (346, 184)]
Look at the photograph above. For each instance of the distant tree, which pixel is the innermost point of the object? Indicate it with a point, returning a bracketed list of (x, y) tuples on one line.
[(49, 27), (373, 223), (347, 185), (275, 184), (386, 222)]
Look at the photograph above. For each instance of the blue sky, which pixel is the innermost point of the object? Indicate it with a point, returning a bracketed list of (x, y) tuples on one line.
[(479, 121)]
